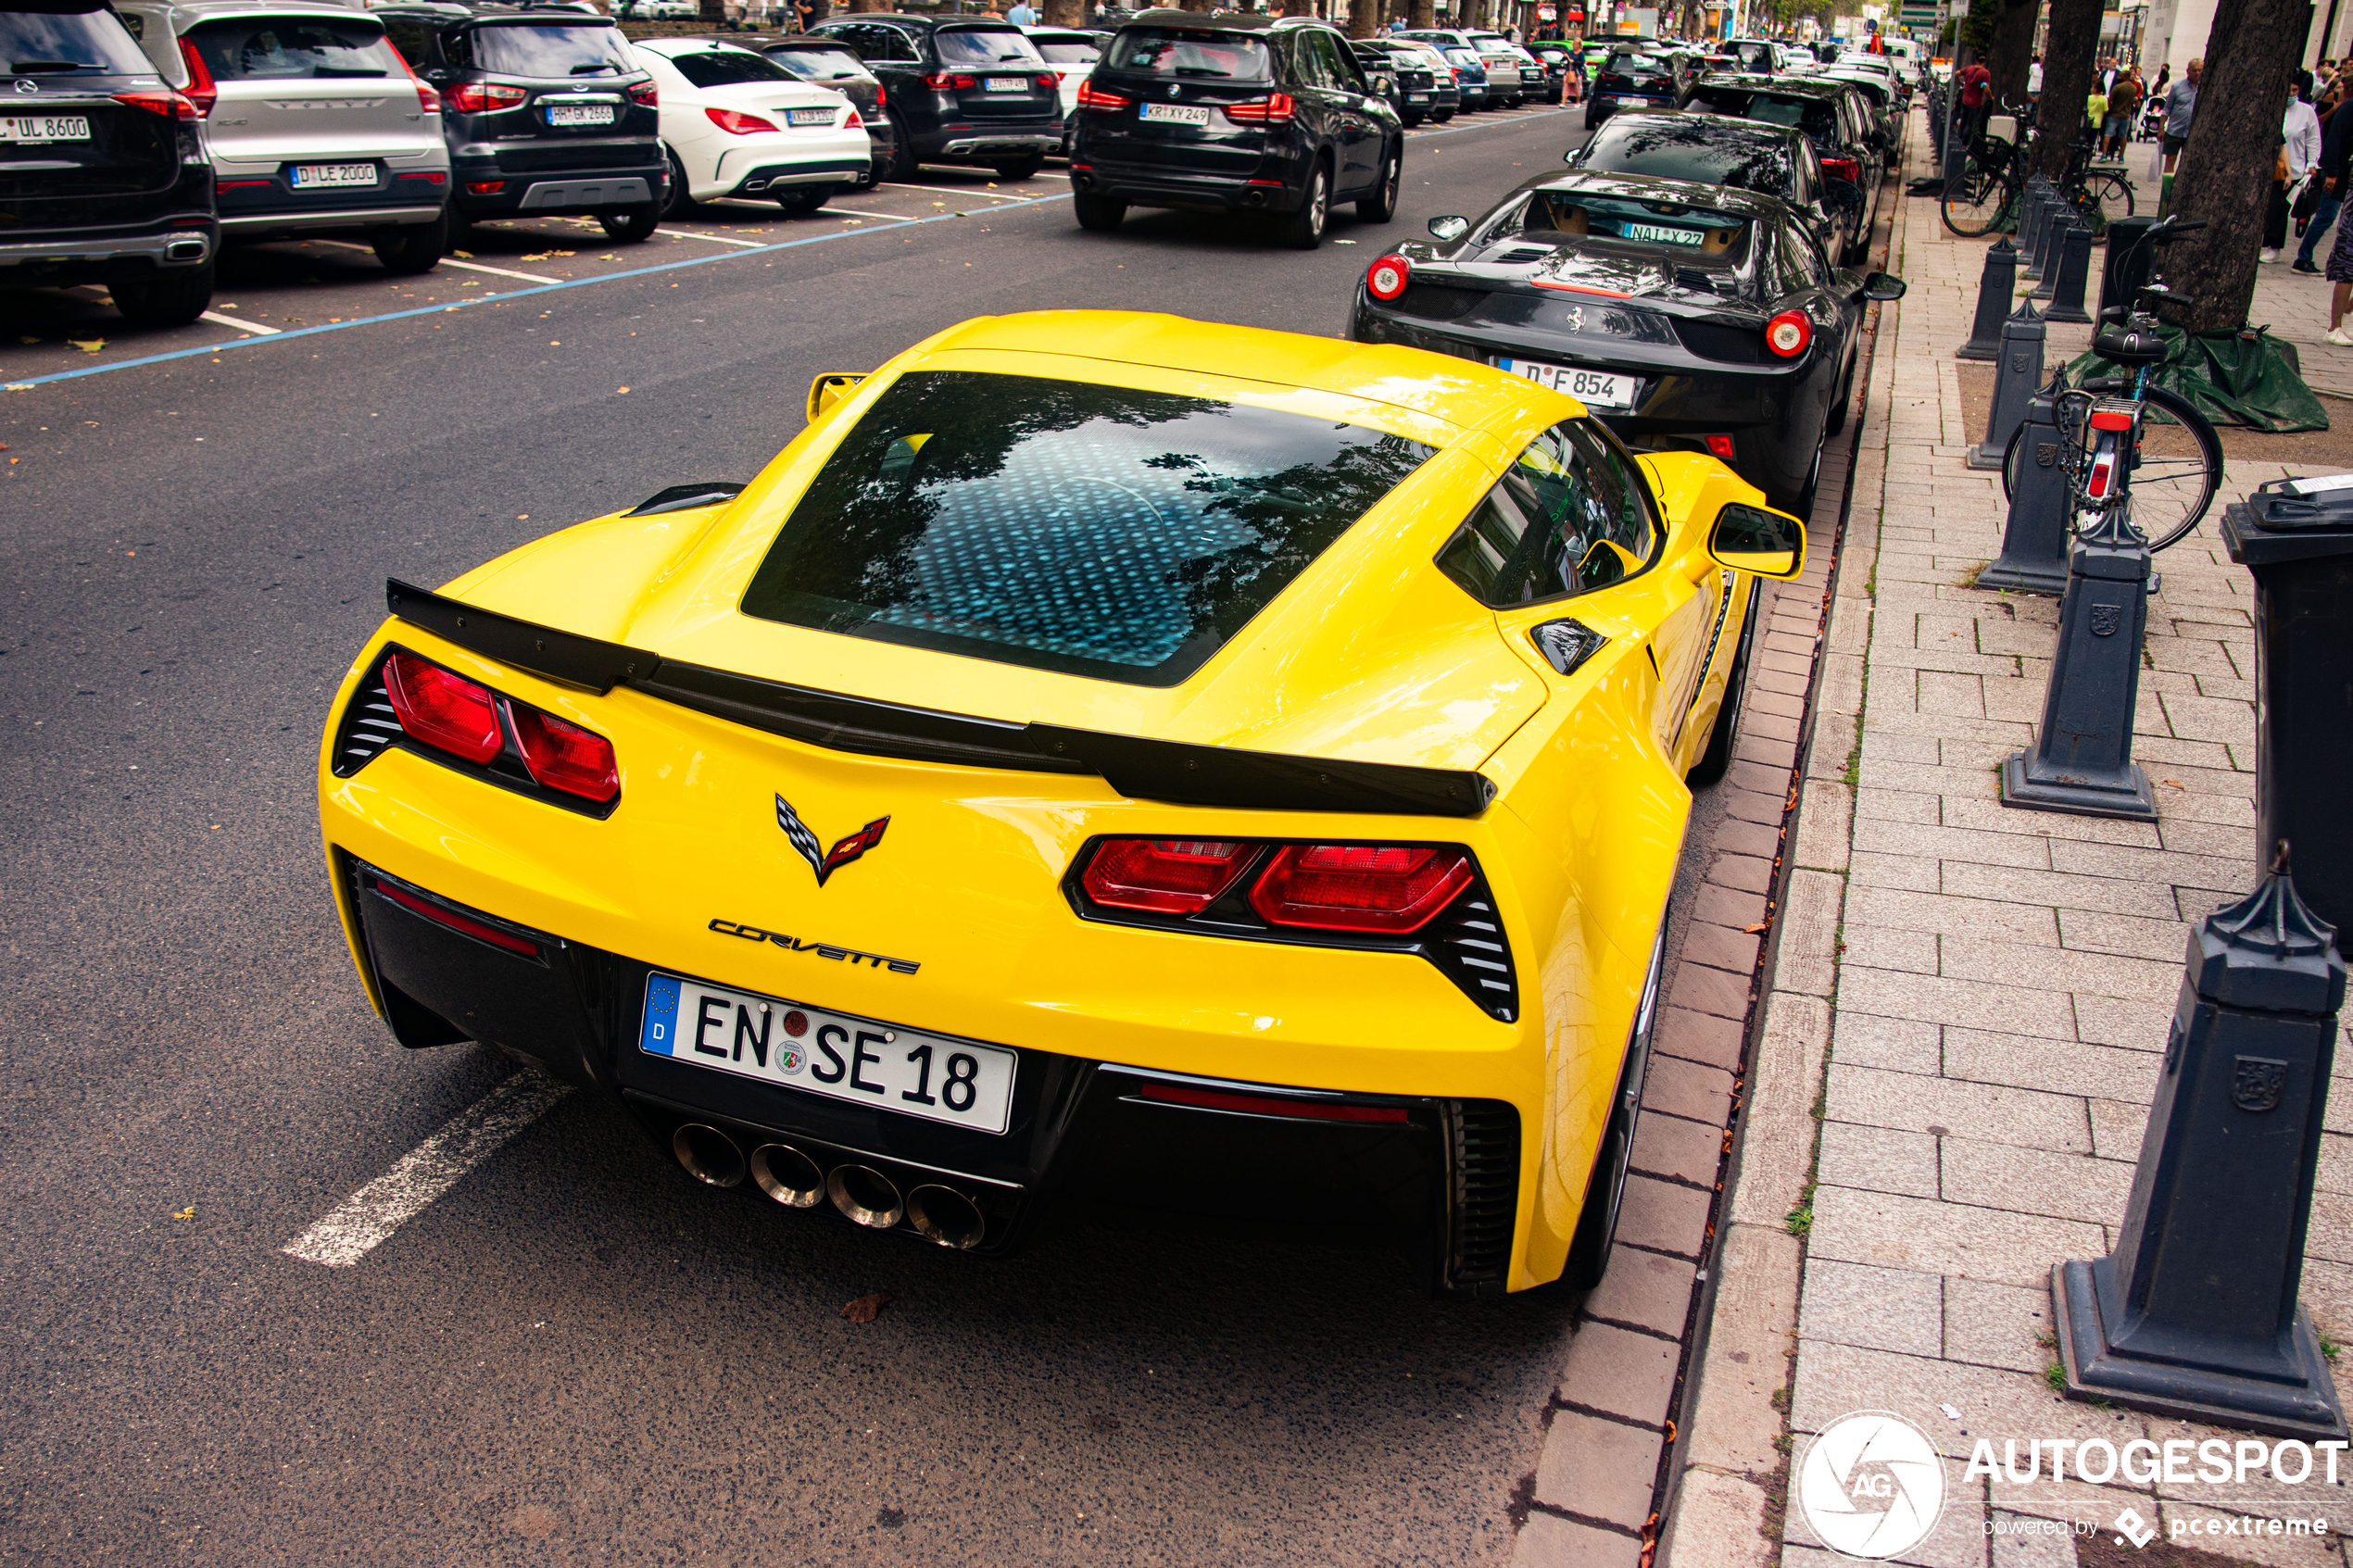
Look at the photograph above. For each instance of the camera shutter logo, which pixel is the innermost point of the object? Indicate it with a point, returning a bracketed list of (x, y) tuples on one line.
[(1871, 1484)]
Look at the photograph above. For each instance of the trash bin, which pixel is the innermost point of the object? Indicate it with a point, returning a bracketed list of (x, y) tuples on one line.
[(2126, 270), (2297, 536)]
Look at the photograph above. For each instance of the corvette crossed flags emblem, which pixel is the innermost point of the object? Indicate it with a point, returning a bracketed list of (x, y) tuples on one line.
[(824, 861)]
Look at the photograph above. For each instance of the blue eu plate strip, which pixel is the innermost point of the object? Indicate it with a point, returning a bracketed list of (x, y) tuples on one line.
[(658, 1032)]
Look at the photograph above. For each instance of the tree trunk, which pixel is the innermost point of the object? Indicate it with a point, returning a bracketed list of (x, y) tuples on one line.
[(2067, 81), (2224, 178), (1363, 17), (1299, 7), (1065, 13), (1421, 14), (713, 12), (2010, 50)]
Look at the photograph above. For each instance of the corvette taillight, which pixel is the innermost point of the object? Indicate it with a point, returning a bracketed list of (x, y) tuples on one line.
[(1787, 333), (562, 756), (1358, 887), (1275, 108), (1093, 97), (1387, 277), (1169, 875), (444, 710), (200, 90)]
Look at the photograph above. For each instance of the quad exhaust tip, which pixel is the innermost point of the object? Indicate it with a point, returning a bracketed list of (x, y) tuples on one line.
[(788, 1175), (866, 1196), (708, 1155), (946, 1216)]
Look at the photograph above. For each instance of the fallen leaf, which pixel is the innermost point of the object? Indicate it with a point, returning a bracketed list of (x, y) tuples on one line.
[(28, 340), (866, 1308), (187, 1213), (632, 335), (2175, 782), (463, 255), (1752, 930), (89, 345), (541, 257)]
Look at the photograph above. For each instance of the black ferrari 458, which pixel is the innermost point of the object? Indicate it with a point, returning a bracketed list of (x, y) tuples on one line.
[(1687, 317)]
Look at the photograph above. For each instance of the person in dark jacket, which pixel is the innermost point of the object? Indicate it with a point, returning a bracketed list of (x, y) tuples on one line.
[(2336, 153)]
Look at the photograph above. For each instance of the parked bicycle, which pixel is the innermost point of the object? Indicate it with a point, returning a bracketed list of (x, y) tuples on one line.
[(2127, 443), (1991, 189)]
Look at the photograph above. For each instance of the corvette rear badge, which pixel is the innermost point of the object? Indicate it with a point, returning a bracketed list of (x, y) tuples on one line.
[(824, 861)]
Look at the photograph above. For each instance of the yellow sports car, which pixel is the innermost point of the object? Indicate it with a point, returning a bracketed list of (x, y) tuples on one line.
[(1100, 745)]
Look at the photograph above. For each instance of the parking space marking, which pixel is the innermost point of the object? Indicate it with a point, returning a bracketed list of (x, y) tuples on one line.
[(955, 191), (853, 213), (718, 239), (451, 261), (370, 1216), (241, 326)]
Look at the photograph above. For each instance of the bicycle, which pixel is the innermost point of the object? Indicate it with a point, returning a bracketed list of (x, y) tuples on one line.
[(1991, 187), (2161, 475)]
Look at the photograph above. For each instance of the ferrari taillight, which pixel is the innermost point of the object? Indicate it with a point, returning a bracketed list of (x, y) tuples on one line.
[(1387, 277), (1275, 108), (1168, 875), (1358, 887), (1787, 333), (444, 710), (563, 755), (1093, 97)]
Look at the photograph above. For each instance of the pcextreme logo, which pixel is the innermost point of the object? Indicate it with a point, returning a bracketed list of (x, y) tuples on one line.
[(1871, 1484)]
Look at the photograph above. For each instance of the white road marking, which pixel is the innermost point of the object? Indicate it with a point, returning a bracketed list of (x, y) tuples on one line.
[(452, 261), (853, 213), (371, 1215), (722, 239), (957, 191), (233, 321)]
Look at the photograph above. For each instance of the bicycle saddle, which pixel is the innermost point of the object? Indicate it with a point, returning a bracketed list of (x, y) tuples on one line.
[(2134, 342)]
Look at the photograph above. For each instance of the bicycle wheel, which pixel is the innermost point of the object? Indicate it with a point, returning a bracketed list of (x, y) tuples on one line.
[(2113, 194), (2176, 468), (1975, 203)]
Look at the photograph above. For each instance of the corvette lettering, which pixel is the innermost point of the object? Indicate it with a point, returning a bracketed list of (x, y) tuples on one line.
[(823, 950)]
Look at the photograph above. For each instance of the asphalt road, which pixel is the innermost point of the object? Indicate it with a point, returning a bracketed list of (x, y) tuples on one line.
[(575, 1353)]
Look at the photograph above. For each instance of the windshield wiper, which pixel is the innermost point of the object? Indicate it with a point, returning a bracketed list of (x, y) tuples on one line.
[(29, 67), (602, 67), (347, 71)]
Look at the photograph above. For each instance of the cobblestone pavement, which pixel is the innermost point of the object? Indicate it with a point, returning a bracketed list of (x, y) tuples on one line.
[(1966, 1007)]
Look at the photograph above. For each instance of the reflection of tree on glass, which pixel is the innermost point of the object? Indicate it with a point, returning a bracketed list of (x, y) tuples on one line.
[(1094, 529)]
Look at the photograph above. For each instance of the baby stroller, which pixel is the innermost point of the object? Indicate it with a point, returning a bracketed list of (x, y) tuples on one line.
[(2151, 125)]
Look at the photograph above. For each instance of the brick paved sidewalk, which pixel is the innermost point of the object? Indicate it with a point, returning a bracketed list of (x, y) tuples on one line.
[(1966, 1008)]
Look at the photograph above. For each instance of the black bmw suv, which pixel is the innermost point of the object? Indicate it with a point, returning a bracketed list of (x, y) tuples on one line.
[(105, 179), (545, 110), (1234, 113), (960, 90)]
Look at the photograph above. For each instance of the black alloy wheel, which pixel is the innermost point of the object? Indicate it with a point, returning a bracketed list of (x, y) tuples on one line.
[(802, 201), (1589, 1249), (1381, 206), (904, 164), (165, 299), (1021, 168), (1100, 214), (631, 225), (413, 247), (680, 201), (1304, 229)]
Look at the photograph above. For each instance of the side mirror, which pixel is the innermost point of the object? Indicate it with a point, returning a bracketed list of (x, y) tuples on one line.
[(1755, 539), (1384, 85), (830, 389), (1450, 228), (1882, 285)]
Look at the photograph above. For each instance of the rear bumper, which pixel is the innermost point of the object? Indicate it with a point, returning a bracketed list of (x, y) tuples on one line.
[(771, 178), (952, 143), (256, 224), (100, 255), (1200, 193), (573, 192)]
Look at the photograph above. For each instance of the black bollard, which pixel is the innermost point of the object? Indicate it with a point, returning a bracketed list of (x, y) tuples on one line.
[(2083, 757), (2126, 266), (2034, 213), (2055, 232), (2074, 271), (2017, 374), (2194, 1313), (1994, 286), (2034, 559)]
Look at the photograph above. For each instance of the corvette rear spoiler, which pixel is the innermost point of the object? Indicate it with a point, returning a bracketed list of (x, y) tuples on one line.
[(1141, 769)]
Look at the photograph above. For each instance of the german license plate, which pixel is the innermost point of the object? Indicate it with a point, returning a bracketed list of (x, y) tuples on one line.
[(809, 116), (581, 114), (1008, 84), (1598, 388), (1174, 114), (1659, 235), (310, 176), (45, 128), (1416, 97), (880, 1065)]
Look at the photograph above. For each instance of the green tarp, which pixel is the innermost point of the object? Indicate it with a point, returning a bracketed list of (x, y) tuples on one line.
[(2246, 378)]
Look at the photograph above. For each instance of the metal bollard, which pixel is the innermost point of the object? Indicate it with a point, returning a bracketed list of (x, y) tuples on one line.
[(2074, 272), (2034, 559), (2017, 374), (2194, 1313), (1994, 286), (2082, 763), (2053, 245), (2034, 219)]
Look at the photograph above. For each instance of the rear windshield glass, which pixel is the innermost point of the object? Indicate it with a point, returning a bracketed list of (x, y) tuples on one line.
[(1756, 56), (291, 48), (1642, 67), (819, 65), (1698, 230), (984, 46), (1816, 116), (725, 68), (1674, 147), (1075, 50), (1061, 525), (524, 49), (38, 40), (1208, 56)]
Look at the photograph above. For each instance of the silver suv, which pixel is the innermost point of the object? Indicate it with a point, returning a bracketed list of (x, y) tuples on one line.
[(314, 123), (1504, 88)]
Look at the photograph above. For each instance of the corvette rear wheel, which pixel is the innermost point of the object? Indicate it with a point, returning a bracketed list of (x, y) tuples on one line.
[(1605, 1194)]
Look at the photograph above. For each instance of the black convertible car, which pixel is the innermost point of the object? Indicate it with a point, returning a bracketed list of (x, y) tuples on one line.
[(1688, 317)]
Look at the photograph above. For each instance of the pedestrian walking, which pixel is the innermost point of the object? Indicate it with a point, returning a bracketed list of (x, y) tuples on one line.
[(2340, 272), (2034, 78), (2123, 103), (2299, 153), (1975, 99), (2181, 107), (2336, 153), (1022, 15)]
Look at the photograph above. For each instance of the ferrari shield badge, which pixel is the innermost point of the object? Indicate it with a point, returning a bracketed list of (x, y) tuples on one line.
[(824, 861)]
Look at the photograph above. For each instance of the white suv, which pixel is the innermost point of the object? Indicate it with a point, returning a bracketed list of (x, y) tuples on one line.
[(314, 123)]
